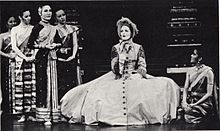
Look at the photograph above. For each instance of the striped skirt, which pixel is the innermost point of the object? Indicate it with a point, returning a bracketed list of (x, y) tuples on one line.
[(47, 108), (24, 92), (11, 83)]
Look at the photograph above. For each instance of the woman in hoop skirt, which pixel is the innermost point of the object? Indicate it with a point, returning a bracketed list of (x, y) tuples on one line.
[(127, 95)]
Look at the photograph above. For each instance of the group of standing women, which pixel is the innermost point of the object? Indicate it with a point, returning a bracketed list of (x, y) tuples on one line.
[(31, 85), (126, 95)]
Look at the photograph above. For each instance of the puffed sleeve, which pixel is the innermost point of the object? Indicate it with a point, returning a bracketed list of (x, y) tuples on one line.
[(114, 61), (141, 63)]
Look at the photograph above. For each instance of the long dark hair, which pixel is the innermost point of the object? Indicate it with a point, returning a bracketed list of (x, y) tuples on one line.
[(4, 22)]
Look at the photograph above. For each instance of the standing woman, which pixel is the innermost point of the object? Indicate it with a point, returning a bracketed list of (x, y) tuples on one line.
[(67, 77), (24, 92), (45, 39), (7, 65)]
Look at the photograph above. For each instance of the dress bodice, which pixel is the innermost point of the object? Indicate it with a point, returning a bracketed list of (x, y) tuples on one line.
[(6, 46), (198, 79), (129, 58), (129, 52), (201, 86), (66, 34), (43, 34)]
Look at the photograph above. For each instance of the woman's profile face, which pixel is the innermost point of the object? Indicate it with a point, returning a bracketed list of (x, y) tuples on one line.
[(46, 13), (61, 17), (194, 57), (125, 33), (11, 22), (26, 17)]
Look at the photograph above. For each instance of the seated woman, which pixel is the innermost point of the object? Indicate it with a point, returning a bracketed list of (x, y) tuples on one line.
[(126, 95), (199, 91)]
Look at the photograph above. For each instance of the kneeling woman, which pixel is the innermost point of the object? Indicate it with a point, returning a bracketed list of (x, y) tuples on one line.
[(200, 92), (126, 95)]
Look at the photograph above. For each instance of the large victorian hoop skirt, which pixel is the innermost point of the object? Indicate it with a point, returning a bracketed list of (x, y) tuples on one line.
[(131, 101)]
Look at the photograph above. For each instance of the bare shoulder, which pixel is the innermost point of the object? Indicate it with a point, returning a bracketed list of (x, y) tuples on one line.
[(74, 27), (31, 26), (14, 29), (210, 73), (190, 71), (116, 45), (136, 44), (3, 35)]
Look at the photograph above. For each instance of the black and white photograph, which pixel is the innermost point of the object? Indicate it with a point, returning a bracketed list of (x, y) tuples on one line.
[(97, 65)]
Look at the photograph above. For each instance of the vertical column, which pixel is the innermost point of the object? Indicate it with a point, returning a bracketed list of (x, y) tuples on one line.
[(0, 70)]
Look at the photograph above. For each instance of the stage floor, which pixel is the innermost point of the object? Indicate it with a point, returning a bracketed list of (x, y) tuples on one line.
[(11, 124)]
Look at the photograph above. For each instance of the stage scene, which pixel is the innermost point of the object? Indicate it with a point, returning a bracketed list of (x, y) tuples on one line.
[(109, 65)]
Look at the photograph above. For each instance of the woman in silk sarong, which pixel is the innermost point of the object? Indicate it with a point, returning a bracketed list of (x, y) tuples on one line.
[(126, 95), (67, 62), (7, 66), (199, 94), (24, 93), (45, 39)]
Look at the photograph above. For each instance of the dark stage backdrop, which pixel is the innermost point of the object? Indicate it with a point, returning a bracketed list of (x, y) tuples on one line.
[(98, 30)]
